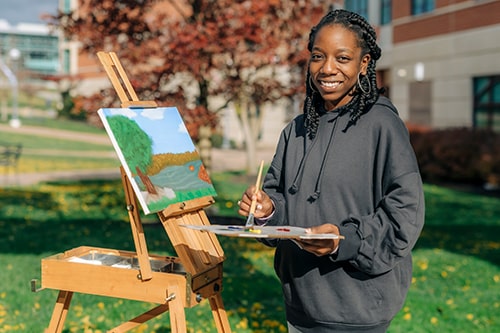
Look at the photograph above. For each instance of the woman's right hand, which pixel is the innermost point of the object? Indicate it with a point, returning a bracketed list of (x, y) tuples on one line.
[(264, 206)]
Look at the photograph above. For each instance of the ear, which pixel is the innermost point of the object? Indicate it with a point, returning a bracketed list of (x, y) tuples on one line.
[(364, 63)]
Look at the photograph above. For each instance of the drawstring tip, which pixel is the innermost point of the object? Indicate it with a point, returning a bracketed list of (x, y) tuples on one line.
[(314, 196), (293, 189)]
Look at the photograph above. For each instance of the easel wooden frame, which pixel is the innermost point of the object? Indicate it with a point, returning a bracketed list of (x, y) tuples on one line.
[(199, 254)]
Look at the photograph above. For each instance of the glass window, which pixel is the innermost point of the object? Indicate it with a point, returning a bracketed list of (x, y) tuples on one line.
[(357, 6), (385, 12), (421, 6), (66, 62), (66, 6), (487, 102)]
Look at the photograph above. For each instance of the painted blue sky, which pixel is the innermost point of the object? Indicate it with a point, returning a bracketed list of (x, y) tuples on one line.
[(164, 126)]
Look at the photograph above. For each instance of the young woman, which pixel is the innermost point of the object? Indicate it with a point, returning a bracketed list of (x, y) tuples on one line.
[(345, 166)]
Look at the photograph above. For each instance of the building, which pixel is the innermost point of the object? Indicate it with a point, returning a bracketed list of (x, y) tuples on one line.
[(450, 53), (29, 48), (441, 59)]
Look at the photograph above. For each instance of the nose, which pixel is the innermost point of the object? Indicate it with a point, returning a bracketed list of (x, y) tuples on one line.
[(329, 66)]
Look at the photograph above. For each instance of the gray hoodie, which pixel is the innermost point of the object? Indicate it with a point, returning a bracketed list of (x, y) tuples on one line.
[(365, 179)]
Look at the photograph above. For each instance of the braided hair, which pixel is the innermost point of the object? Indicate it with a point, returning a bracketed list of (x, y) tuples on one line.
[(363, 96)]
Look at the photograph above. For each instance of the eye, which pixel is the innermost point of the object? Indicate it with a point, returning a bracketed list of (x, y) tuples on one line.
[(344, 59), (316, 56)]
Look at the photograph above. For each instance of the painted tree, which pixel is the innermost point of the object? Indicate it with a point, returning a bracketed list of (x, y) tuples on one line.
[(138, 150), (235, 49)]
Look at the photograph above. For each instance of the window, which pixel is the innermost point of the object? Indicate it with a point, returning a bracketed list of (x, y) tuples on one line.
[(421, 6), (420, 103), (66, 62), (385, 12), (66, 6), (487, 102), (358, 6)]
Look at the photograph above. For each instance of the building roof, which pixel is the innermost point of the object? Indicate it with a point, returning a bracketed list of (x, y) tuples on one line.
[(24, 28)]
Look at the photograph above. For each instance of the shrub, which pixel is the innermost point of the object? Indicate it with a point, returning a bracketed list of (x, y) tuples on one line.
[(462, 155)]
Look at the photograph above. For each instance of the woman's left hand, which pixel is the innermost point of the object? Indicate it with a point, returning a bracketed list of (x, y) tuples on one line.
[(321, 247)]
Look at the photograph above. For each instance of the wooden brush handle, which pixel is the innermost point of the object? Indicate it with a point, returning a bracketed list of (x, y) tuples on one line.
[(257, 187)]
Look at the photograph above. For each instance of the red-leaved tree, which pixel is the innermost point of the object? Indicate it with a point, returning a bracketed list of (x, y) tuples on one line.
[(183, 52)]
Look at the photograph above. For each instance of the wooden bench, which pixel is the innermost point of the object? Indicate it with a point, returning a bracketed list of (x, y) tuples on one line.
[(9, 155)]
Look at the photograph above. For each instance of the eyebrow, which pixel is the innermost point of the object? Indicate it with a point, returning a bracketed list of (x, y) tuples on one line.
[(348, 50)]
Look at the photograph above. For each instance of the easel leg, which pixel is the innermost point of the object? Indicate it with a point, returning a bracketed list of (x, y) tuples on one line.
[(177, 315), (60, 312), (139, 320), (219, 313)]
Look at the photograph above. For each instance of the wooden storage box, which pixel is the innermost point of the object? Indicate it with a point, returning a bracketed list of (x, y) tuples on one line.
[(115, 273)]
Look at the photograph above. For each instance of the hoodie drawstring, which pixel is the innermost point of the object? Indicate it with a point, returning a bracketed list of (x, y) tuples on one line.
[(298, 177), (317, 188)]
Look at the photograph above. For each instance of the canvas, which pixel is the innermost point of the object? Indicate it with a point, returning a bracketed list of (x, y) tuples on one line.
[(158, 155)]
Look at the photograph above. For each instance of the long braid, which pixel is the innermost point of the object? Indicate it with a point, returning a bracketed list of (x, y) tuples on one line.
[(364, 97), (311, 107)]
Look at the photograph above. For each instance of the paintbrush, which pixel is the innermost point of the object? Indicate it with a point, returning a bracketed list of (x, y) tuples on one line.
[(250, 218)]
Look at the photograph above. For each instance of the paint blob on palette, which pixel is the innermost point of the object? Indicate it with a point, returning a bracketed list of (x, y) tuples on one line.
[(261, 231)]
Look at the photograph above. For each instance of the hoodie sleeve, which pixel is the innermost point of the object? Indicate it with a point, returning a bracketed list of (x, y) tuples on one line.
[(273, 187), (273, 181), (376, 242), (379, 241)]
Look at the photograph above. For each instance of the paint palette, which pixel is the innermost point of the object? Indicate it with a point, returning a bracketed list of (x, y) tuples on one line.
[(261, 231)]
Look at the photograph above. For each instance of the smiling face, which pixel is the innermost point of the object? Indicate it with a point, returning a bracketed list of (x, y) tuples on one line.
[(336, 59)]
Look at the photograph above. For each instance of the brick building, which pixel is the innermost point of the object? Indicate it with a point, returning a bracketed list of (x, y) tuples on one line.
[(441, 60)]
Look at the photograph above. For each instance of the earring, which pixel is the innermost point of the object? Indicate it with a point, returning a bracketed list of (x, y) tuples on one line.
[(360, 85), (311, 85)]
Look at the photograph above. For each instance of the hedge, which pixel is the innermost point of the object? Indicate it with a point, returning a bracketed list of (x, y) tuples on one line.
[(460, 155)]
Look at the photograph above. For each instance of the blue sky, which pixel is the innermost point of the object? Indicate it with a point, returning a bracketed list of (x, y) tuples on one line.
[(26, 11)]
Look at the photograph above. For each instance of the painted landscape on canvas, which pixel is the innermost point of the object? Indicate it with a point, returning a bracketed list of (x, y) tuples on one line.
[(158, 155)]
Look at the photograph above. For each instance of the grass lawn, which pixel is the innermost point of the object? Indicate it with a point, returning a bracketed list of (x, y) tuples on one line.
[(456, 280), (456, 284), (45, 154)]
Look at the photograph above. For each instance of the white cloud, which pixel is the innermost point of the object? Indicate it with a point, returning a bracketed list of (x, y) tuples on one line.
[(123, 112), (153, 114)]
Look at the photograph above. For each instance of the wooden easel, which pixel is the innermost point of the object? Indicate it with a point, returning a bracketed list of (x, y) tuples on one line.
[(181, 282)]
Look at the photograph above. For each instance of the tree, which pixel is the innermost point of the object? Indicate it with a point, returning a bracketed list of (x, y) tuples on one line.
[(228, 48)]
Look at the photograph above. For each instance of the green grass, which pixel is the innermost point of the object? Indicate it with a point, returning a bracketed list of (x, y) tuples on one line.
[(46, 163), (69, 125), (45, 154), (456, 280), (229, 187), (47, 143), (456, 284), (55, 217)]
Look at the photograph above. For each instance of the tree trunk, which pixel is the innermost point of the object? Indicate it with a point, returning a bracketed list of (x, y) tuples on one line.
[(250, 137), (146, 181)]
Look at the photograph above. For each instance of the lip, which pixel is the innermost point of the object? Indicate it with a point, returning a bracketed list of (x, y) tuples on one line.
[(330, 85)]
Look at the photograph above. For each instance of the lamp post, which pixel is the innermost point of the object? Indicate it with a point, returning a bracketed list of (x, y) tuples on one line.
[(14, 55), (13, 83)]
